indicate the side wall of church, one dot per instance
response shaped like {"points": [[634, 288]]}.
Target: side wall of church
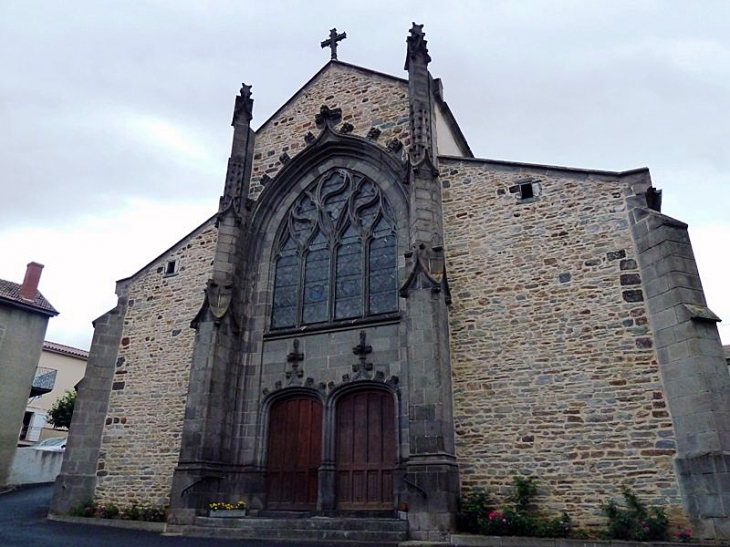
{"points": [[366, 100], [141, 439], [554, 367]]}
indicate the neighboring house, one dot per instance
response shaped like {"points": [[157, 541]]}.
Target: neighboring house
{"points": [[24, 314], [387, 320], [60, 368]]}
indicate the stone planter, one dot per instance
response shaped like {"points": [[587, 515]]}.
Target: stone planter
{"points": [[228, 513]]}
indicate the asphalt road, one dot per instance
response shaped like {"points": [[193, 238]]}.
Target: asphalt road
{"points": [[23, 523]]}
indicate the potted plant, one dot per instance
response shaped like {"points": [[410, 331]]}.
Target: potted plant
{"points": [[221, 509]]}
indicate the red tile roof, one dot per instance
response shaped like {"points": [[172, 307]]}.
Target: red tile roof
{"points": [[65, 350], [10, 294]]}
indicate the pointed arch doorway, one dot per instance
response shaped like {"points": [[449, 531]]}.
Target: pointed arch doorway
{"points": [[365, 450], [294, 453]]}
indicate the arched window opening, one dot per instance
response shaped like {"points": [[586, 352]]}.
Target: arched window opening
{"points": [[336, 254]]}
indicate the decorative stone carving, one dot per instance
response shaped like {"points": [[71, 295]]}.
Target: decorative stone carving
{"points": [[373, 134], [295, 374], [284, 158], [328, 117], [244, 104], [265, 179], [309, 138], [347, 128], [394, 146], [362, 368], [427, 266], [218, 302], [417, 45]]}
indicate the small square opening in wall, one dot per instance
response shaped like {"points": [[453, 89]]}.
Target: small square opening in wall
{"points": [[526, 190], [171, 268]]}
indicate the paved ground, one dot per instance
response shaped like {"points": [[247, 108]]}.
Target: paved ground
{"points": [[23, 523]]}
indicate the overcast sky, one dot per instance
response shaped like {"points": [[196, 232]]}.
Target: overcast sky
{"points": [[115, 115]]}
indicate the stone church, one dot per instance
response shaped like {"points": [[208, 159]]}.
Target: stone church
{"points": [[376, 319]]}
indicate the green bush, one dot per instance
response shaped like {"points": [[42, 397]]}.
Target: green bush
{"points": [[109, 511], [85, 508], [147, 513], [473, 511], [478, 515], [525, 490], [92, 509], [634, 521]]}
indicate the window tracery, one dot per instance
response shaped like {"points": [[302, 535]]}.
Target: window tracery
{"points": [[336, 254]]}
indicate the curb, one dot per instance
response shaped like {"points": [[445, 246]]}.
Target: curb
{"points": [[158, 527]]}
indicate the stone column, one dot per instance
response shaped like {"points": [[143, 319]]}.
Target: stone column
{"points": [[207, 454], [692, 366], [431, 483]]}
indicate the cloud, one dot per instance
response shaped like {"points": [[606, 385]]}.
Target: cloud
{"points": [[175, 143], [84, 257]]}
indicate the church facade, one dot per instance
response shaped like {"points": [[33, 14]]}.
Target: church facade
{"points": [[381, 320]]}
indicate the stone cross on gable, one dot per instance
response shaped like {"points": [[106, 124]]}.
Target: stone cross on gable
{"points": [[331, 42], [294, 358], [362, 350]]}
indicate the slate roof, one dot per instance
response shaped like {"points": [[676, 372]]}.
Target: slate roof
{"points": [[10, 294], [65, 350]]}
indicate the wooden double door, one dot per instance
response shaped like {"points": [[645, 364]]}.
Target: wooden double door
{"points": [[364, 451]]}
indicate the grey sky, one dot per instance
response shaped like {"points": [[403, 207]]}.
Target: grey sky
{"points": [[115, 115]]}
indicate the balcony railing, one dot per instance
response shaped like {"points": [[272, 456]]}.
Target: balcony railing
{"points": [[45, 379]]}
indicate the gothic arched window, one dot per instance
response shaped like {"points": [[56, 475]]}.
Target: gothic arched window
{"points": [[336, 255]]}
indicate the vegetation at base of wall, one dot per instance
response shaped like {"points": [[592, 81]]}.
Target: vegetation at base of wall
{"points": [[479, 515], [62, 410], [92, 509], [634, 521], [627, 520]]}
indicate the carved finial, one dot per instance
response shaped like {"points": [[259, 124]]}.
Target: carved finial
{"points": [[328, 116], [331, 42], [417, 45], [244, 104]]}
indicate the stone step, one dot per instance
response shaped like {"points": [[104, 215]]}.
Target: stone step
{"points": [[378, 531]]}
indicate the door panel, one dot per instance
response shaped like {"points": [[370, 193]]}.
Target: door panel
{"points": [[365, 451], [294, 453]]}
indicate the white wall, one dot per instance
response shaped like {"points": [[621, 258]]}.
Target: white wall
{"points": [[32, 466]]}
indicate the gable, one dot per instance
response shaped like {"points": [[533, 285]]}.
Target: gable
{"points": [[368, 100]]}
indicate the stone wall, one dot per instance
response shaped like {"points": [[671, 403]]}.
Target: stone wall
{"points": [[141, 439], [367, 101], [554, 366]]}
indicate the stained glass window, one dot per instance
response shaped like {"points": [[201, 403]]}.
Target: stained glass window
{"points": [[349, 282], [336, 256]]}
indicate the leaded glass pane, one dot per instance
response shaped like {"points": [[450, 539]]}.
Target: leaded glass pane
{"points": [[303, 218], [316, 282], [286, 287], [383, 296], [335, 196], [348, 286]]}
